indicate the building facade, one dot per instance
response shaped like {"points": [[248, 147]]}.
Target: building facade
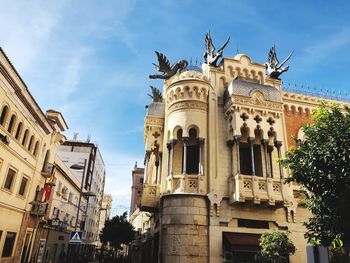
{"points": [[105, 213], [139, 219], [29, 139], [61, 218], [212, 181], [88, 156]]}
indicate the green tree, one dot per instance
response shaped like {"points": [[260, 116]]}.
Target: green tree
{"points": [[276, 247], [321, 164], [117, 231]]}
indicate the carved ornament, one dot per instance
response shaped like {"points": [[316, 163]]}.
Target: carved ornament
{"points": [[256, 100], [186, 105]]}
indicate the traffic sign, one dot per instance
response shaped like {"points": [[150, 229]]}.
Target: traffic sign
{"points": [[76, 237]]}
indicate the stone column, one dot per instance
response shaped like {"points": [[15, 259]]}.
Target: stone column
{"points": [[184, 172], [170, 147], [251, 141], [230, 144], [278, 145], [265, 144], [145, 162], [200, 143], [158, 163], [237, 140]]}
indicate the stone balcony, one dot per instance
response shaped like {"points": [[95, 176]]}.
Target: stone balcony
{"points": [[261, 189], [185, 183], [150, 197], [38, 208], [47, 170]]}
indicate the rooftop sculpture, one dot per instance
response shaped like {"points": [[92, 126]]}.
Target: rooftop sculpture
{"points": [[156, 94], [209, 57], [167, 70], [273, 68]]}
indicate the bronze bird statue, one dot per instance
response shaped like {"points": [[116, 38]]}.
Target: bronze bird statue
{"points": [[273, 68], [156, 94], [209, 57], [167, 70]]}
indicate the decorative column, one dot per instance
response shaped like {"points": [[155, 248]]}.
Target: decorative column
{"points": [[278, 145], [160, 162], [265, 144], [170, 147], [200, 178], [237, 140], [145, 162], [270, 149], [200, 142], [230, 144], [251, 141], [184, 161], [231, 180]]}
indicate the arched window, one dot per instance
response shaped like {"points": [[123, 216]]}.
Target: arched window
{"points": [[178, 153], [3, 115], [30, 143], [12, 123], [19, 130], [46, 161], [24, 140], [36, 148]]}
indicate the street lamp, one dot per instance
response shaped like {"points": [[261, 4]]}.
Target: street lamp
{"points": [[79, 167]]}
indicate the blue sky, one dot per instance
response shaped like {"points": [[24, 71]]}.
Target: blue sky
{"points": [[91, 59]]}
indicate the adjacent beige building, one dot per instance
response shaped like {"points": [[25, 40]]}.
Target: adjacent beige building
{"points": [[212, 181], [105, 212], [29, 139]]}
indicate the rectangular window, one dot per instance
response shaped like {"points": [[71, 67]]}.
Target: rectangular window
{"points": [[9, 244], [257, 160], [245, 158], [253, 223], [22, 188], [9, 179], [70, 197], [192, 159]]}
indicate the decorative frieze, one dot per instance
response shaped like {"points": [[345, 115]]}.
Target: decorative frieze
{"points": [[188, 105]]}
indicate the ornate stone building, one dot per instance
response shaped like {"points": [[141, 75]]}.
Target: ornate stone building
{"points": [[212, 181]]}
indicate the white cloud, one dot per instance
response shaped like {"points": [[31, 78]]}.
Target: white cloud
{"points": [[326, 46]]}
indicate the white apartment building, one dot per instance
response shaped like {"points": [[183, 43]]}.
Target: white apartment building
{"points": [[87, 156]]}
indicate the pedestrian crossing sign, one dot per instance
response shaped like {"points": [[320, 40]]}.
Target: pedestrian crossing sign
{"points": [[76, 237]]}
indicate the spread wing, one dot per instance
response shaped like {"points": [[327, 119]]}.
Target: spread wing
{"points": [[287, 58], [272, 60], [163, 63], [209, 43], [224, 45]]}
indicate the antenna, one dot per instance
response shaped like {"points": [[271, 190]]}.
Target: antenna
{"points": [[88, 139], [75, 136], [237, 48]]}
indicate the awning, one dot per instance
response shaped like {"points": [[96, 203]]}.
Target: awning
{"points": [[242, 241]]}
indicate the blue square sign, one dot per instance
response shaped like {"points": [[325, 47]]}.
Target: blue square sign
{"points": [[76, 237]]}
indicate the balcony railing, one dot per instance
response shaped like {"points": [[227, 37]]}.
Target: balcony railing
{"points": [[38, 208], [150, 197], [261, 189]]}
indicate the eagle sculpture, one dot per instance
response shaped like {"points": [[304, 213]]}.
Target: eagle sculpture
{"points": [[167, 70], [273, 68], [156, 94], [209, 57]]}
